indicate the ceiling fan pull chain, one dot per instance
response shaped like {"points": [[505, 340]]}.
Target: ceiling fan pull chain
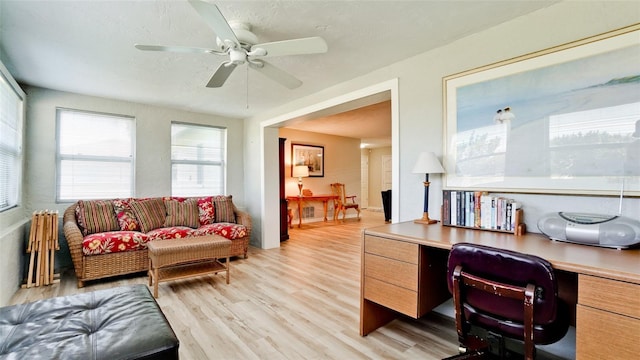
{"points": [[247, 87]]}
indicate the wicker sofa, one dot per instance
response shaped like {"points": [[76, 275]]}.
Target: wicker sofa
{"points": [[109, 237]]}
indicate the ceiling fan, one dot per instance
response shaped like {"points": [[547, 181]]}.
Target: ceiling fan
{"points": [[236, 41]]}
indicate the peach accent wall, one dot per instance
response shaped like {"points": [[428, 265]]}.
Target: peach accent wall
{"points": [[341, 164]]}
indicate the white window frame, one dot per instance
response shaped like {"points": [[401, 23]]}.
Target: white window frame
{"points": [[221, 162], [11, 182], [107, 158]]}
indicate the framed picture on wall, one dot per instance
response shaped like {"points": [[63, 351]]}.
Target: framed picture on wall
{"points": [[562, 120], [310, 155]]}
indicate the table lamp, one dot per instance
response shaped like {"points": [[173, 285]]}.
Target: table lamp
{"points": [[300, 171], [427, 164]]}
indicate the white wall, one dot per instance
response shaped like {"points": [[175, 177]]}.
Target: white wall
{"points": [[420, 98]]}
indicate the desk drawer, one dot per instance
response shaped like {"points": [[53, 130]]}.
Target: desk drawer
{"points": [[605, 335], [610, 295], [393, 249], [392, 271], [392, 296]]}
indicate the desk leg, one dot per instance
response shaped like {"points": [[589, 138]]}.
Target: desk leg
{"points": [[299, 213], [325, 209], [373, 316]]}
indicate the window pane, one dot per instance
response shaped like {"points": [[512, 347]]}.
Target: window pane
{"points": [[11, 118], [94, 179], [95, 155], [198, 143], [196, 180], [197, 160], [95, 134]]}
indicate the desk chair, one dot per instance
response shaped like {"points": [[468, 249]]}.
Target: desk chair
{"points": [[503, 295], [343, 202]]}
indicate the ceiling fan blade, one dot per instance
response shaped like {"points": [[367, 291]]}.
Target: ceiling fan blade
{"points": [[310, 45], [216, 21], [178, 49], [276, 74], [221, 75]]}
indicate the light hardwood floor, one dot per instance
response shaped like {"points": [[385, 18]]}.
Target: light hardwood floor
{"points": [[300, 301]]}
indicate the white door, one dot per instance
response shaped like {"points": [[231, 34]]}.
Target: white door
{"points": [[386, 172], [364, 180]]}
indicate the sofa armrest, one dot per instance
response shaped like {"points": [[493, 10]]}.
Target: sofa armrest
{"points": [[243, 218], [74, 238]]}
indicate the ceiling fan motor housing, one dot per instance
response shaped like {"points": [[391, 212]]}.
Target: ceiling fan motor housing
{"points": [[243, 33]]}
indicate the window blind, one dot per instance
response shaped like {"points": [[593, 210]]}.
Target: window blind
{"points": [[11, 119], [197, 160], [95, 155]]}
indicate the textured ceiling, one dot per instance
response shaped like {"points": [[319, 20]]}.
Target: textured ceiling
{"points": [[87, 46], [371, 124]]}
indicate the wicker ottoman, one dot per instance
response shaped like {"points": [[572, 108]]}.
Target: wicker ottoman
{"points": [[183, 258], [119, 323]]}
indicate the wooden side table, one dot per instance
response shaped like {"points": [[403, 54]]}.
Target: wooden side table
{"points": [[182, 258]]}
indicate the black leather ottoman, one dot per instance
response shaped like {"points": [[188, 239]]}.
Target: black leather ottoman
{"points": [[119, 323]]}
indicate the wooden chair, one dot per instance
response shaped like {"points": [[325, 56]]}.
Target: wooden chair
{"points": [[343, 202]]}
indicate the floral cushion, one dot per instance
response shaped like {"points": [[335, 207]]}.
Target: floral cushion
{"points": [[126, 219], [206, 210], [224, 209], [113, 241], [150, 213], [228, 230], [167, 233], [182, 213], [96, 216]]}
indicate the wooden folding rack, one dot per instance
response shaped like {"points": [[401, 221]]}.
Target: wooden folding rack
{"points": [[43, 243]]}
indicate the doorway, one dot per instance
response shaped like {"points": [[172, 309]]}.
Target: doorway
{"points": [[270, 199]]}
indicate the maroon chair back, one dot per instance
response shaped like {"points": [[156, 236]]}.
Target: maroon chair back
{"points": [[485, 269]]}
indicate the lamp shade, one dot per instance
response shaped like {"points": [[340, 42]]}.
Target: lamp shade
{"points": [[300, 171], [427, 163]]}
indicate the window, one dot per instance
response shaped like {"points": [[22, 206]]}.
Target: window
{"points": [[95, 155], [11, 119], [198, 156]]}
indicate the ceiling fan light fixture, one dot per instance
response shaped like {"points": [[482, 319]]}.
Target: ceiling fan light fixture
{"points": [[237, 57]]}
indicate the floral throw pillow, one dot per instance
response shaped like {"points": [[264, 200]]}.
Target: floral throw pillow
{"points": [[206, 211], [150, 213], [183, 213], [224, 209], [126, 219]]}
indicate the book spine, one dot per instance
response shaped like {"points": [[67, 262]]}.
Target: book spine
{"points": [[454, 208], [492, 224], [509, 219], [485, 211], [476, 204], [446, 211], [459, 209], [472, 209]]}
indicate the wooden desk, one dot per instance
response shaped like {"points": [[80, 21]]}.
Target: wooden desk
{"points": [[300, 199], [404, 271]]}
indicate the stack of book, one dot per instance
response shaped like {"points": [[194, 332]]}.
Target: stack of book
{"points": [[479, 209]]}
